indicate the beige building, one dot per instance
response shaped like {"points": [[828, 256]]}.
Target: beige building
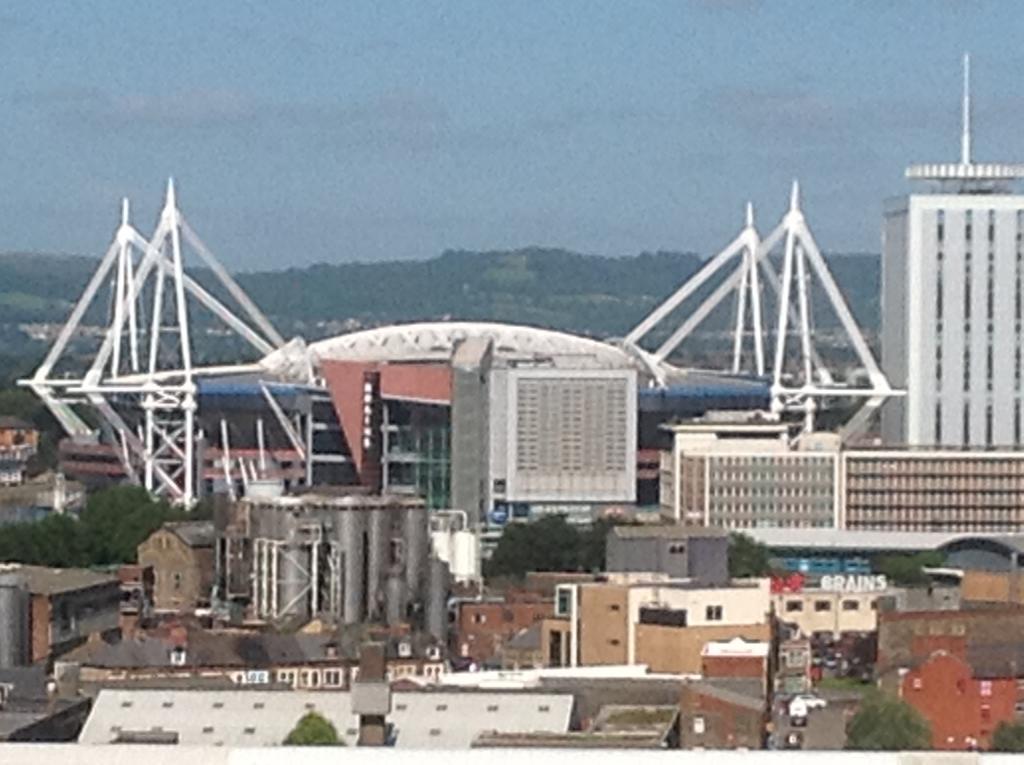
{"points": [[748, 473], [817, 610], [744, 473], [182, 557], [663, 623]]}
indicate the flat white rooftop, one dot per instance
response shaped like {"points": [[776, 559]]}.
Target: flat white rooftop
{"points": [[73, 754], [841, 539]]}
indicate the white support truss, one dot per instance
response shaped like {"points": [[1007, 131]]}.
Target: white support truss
{"points": [[148, 371], [799, 378]]}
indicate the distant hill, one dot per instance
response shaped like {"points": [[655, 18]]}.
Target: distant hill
{"points": [[593, 295]]}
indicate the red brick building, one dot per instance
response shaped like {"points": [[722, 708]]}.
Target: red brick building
{"points": [[736, 658], [482, 627], [712, 716], [962, 708]]}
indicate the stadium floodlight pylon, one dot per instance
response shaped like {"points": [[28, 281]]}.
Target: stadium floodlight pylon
{"points": [[151, 369], [798, 381]]}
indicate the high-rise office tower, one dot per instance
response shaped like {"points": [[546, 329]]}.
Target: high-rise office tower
{"points": [[952, 265]]}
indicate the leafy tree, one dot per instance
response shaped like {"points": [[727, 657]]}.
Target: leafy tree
{"points": [[550, 543], [908, 569], [108, 532], [1009, 737], [886, 723], [748, 558], [313, 729], [547, 544]]}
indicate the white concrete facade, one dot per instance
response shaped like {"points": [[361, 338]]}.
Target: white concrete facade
{"points": [[951, 318]]}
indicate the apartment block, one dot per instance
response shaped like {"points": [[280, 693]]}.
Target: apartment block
{"points": [[740, 474], [899, 490], [748, 474]]}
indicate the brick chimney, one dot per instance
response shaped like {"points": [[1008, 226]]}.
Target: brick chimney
{"points": [[371, 696]]}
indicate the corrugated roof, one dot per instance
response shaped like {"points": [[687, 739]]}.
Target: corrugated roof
{"points": [[421, 720]]}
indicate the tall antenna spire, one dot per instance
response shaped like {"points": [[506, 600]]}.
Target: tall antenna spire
{"points": [[965, 138]]}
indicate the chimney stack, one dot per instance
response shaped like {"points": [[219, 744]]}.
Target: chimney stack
{"points": [[371, 696]]}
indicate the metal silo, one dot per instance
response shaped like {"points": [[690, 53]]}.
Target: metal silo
{"points": [[395, 603], [437, 599], [351, 531], [417, 550], [293, 573], [14, 605], [378, 541]]}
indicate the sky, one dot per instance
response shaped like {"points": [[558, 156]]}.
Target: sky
{"points": [[301, 132]]}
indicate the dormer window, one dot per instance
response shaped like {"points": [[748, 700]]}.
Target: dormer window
{"points": [[178, 656]]}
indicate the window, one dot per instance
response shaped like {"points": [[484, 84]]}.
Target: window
{"points": [[677, 548], [332, 677], [615, 641], [258, 705], [544, 708], [851, 605], [167, 704], [441, 708], [986, 688], [917, 684], [698, 725], [480, 618], [713, 613], [249, 731], [822, 605], [207, 729], [435, 731], [492, 707], [218, 705], [176, 577], [794, 605], [986, 712]]}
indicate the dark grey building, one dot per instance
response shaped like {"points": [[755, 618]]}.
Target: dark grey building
{"points": [[681, 552], [471, 366]]}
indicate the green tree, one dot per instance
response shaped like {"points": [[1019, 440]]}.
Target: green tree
{"points": [[313, 729], [547, 544], [886, 723], [112, 525], [1009, 737], [908, 569], [748, 558]]}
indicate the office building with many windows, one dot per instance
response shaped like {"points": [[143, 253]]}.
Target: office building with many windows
{"points": [[952, 265]]}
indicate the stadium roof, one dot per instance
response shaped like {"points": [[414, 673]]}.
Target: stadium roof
{"points": [[436, 341]]}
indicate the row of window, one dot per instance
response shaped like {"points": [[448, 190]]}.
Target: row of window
{"points": [[826, 605]]}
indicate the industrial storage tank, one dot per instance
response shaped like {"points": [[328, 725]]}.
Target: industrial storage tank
{"points": [[417, 550], [351, 532], [378, 541], [293, 570], [396, 599], [437, 599], [14, 607]]}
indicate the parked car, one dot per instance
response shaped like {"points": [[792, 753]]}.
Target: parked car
{"points": [[809, 700]]}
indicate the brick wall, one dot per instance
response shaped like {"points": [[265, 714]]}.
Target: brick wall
{"points": [[960, 708]]}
